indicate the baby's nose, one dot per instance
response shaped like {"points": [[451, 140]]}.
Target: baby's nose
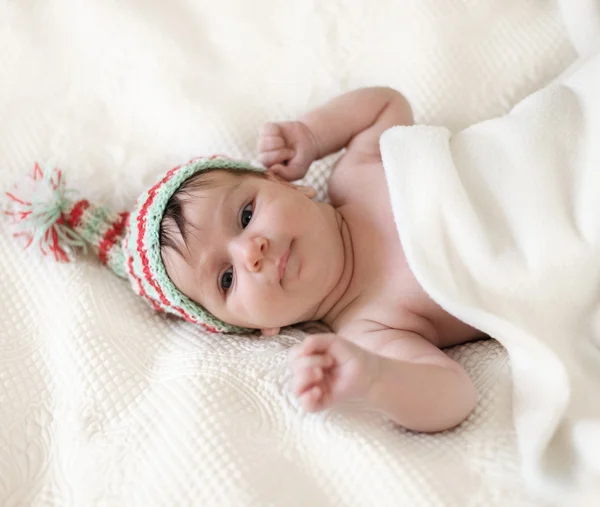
{"points": [[254, 253]]}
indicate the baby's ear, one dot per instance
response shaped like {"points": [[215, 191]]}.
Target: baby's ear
{"points": [[307, 190], [273, 176]]}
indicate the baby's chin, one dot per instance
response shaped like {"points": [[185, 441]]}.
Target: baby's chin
{"points": [[279, 317]]}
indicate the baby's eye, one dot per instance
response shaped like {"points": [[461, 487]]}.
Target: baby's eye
{"points": [[246, 215], [227, 279]]}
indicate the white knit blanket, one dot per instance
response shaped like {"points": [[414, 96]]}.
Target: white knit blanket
{"points": [[501, 225], [103, 402]]}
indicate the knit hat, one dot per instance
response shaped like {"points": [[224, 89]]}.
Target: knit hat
{"points": [[126, 242]]}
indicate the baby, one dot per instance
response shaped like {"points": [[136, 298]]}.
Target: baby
{"points": [[256, 251], [225, 245]]}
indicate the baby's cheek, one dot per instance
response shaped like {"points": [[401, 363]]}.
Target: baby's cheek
{"points": [[255, 306], [294, 210], [275, 312]]}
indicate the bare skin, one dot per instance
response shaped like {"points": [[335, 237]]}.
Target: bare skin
{"points": [[291, 259]]}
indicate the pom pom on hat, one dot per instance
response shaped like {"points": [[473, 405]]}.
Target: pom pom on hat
{"points": [[37, 207], [45, 212]]}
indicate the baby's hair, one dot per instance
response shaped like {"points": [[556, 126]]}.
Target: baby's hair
{"points": [[173, 221]]}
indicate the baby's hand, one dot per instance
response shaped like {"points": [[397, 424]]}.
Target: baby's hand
{"points": [[287, 149], [327, 369]]}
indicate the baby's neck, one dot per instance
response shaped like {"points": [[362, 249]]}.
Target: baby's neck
{"points": [[336, 301]]}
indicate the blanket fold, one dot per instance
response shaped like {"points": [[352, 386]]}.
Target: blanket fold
{"points": [[508, 240]]}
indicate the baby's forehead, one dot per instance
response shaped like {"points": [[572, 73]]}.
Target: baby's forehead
{"points": [[217, 183], [212, 180], [194, 204], [210, 189], [204, 201]]}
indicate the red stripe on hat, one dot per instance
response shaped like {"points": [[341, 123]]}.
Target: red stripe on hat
{"points": [[141, 229], [74, 218], [141, 290], [111, 236], [132, 274]]}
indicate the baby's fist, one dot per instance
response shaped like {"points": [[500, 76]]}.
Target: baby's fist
{"points": [[327, 369], [287, 149]]}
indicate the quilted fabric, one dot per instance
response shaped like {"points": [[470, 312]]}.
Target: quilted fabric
{"points": [[103, 402]]}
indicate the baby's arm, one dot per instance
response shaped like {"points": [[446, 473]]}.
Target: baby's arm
{"points": [[358, 118], [400, 373], [355, 120], [418, 385]]}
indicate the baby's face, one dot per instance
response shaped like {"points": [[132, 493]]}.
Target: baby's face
{"points": [[259, 254]]}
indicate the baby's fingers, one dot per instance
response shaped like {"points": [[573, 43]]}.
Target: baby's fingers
{"points": [[269, 158], [312, 400], [270, 129], [306, 379], [303, 362], [270, 143], [316, 344]]}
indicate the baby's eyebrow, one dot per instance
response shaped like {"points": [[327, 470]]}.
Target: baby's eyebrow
{"points": [[225, 201], [221, 205]]}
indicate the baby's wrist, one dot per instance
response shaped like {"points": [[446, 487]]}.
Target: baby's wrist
{"points": [[376, 372], [312, 142]]}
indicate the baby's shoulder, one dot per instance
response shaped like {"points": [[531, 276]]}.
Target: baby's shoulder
{"points": [[356, 176], [374, 305]]}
